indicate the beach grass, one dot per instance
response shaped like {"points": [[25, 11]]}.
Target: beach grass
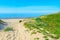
{"points": [[49, 23], [8, 29]]}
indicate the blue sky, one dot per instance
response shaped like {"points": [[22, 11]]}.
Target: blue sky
{"points": [[29, 6]]}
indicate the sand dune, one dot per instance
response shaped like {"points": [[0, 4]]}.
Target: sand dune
{"points": [[20, 32]]}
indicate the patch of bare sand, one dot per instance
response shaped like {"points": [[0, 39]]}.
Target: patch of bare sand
{"points": [[22, 33]]}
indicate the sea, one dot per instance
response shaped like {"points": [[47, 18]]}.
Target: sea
{"points": [[20, 15]]}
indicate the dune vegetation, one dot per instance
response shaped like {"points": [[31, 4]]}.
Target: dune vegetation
{"points": [[48, 25], [1, 22], [8, 29]]}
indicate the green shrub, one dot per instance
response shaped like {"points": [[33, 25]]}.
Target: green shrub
{"points": [[46, 39], [36, 38], [38, 19], [20, 21], [1, 22], [33, 32], [8, 29]]}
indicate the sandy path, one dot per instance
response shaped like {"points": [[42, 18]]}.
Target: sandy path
{"points": [[22, 34]]}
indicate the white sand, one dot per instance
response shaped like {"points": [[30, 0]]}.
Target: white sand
{"points": [[20, 33]]}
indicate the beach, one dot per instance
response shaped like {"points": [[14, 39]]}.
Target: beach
{"points": [[20, 32]]}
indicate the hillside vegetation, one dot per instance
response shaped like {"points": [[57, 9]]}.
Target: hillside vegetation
{"points": [[1, 22], [49, 25]]}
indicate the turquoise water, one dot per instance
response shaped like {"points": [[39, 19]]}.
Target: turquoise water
{"points": [[21, 15]]}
